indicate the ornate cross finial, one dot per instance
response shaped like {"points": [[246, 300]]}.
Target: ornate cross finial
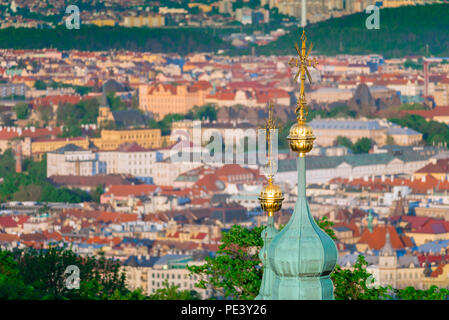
{"points": [[270, 124], [303, 63]]}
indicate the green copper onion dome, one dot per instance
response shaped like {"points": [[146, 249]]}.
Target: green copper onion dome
{"points": [[265, 292]]}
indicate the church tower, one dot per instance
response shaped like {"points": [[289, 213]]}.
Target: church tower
{"points": [[104, 112], [302, 256]]}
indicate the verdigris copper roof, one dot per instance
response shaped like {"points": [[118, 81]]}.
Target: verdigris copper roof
{"points": [[356, 160]]}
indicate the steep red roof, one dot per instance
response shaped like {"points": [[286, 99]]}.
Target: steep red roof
{"points": [[7, 134], [133, 190], [7, 222], [55, 100], [440, 166], [116, 217], [6, 237], [376, 239]]}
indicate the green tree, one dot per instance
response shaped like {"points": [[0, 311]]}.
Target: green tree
{"points": [[45, 113], [40, 85], [433, 131], [21, 110], [354, 284], [96, 194], [40, 274], [362, 145], [172, 292], [344, 142], [115, 103]]}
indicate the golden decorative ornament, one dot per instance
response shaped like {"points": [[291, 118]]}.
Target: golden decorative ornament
{"points": [[271, 198], [301, 138]]}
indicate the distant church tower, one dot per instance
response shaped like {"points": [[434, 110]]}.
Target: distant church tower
{"points": [[388, 262], [301, 255], [104, 112]]}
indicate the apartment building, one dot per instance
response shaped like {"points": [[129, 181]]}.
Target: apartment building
{"points": [[150, 273], [112, 139], [163, 99]]}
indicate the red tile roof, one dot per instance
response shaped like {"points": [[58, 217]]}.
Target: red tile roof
{"points": [[6, 134], [376, 239], [440, 166], [133, 190], [6, 237], [8, 222]]}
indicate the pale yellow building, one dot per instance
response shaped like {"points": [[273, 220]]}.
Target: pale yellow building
{"points": [[163, 99], [40, 147], [155, 20], [106, 22], [112, 139]]}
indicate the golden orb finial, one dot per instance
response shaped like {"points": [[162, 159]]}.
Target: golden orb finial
{"points": [[301, 135], [271, 196]]}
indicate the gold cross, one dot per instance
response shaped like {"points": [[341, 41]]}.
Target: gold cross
{"points": [[303, 63]]}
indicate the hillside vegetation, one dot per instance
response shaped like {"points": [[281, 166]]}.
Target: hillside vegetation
{"points": [[92, 38], [403, 31]]}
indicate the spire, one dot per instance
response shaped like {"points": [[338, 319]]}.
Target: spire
{"points": [[302, 256], [103, 99], [370, 222], [387, 250]]}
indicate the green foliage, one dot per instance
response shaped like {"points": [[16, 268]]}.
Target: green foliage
{"points": [[362, 145], [410, 293], [40, 85], [32, 183], [234, 272], [165, 124], [325, 224], [73, 115], [81, 90], [413, 106], [40, 274], [433, 131], [398, 35], [353, 284], [96, 194], [45, 113], [115, 103], [12, 286], [21, 110], [413, 65], [204, 112], [92, 38], [172, 292]]}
